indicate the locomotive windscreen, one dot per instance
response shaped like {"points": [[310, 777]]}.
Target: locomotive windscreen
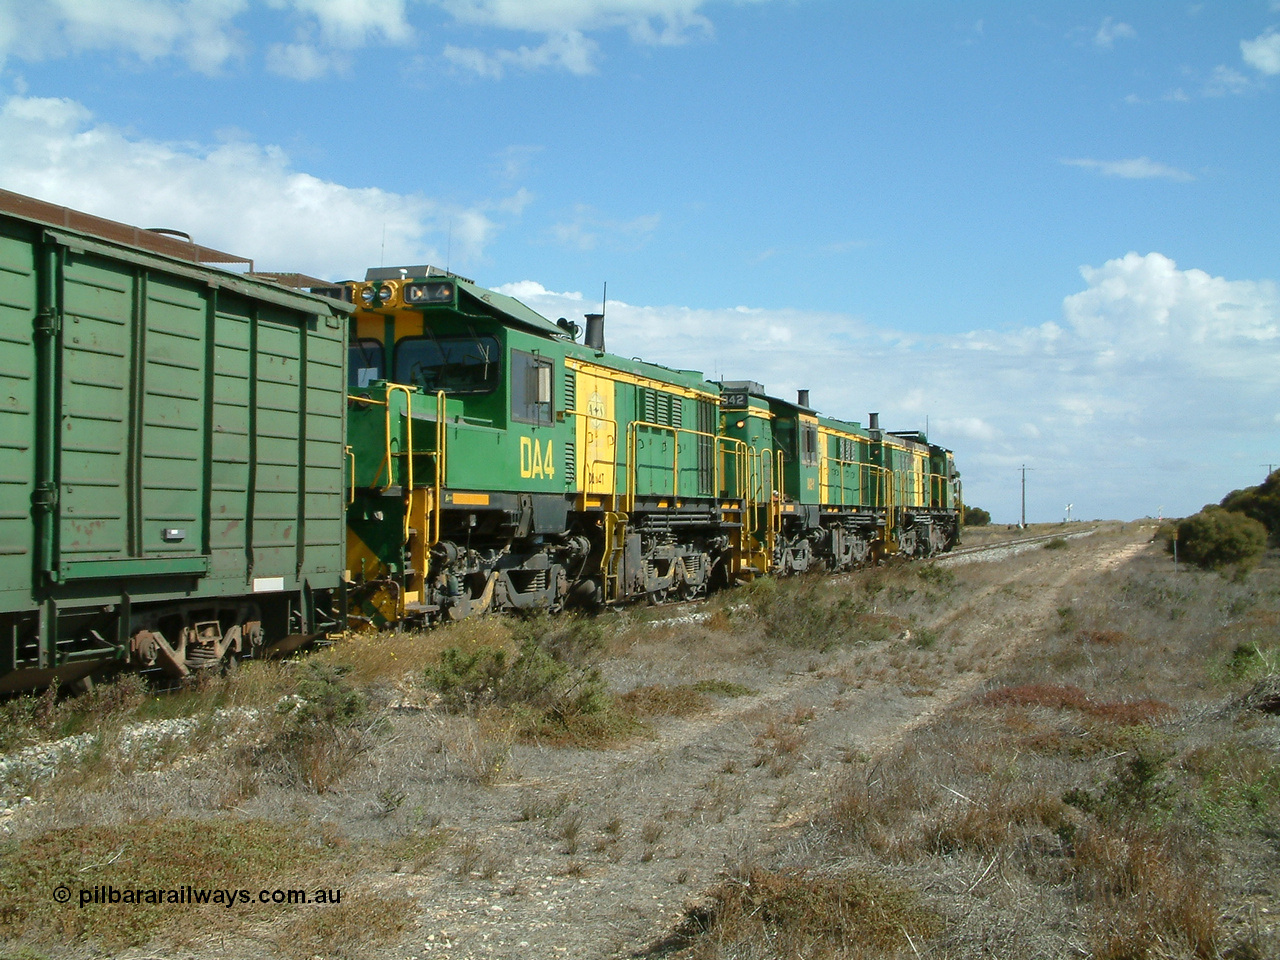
{"points": [[455, 365]]}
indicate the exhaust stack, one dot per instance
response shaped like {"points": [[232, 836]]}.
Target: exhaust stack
{"points": [[802, 398], [595, 332]]}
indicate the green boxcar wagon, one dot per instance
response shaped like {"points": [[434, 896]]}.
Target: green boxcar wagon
{"points": [[171, 452]]}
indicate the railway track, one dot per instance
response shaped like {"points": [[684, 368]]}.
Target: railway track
{"points": [[1005, 548], [691, 611]]}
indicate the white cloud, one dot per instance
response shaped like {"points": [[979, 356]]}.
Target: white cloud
{"points": [[531, 289], [1137, 168], [301, 61], [647, 21], [1143, 307], [1225, 81], [242, 197], [1110, 32], [200, 32], [514, 162], [564, 24], [204, 34], [569, 51], [587, 230], [1101, 402], [197, 31], [354, 23], [329, 30], [1263, 52]]}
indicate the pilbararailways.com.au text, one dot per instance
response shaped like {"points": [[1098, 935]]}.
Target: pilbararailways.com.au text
{"points": [[195, 896]]}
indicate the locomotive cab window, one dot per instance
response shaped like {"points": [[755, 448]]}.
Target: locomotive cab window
{"points": [[456, 365], [809, 443], [365, 363], [530, 388]]}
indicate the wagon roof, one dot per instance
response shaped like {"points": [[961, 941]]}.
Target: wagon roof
{"points": [[168, 243], [161, 250]]}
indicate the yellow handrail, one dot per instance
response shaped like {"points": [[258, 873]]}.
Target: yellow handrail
{"points": [[408, 416], [869, 492], [596, 460], [441, 464], [633, 438]]}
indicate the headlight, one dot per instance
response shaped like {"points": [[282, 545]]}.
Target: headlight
{"points": [[366, 296], [386, 292]]}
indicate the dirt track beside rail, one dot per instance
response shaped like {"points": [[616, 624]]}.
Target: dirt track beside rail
{"points": [[655, 823]]}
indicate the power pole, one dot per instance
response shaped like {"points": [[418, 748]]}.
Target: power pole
{"points": [[1023, 525]]}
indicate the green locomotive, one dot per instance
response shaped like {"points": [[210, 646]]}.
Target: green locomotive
{"points": [[831, 494], [499, 463]]}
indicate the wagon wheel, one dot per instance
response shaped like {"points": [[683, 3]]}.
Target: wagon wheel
{"points": [[251, 639]]}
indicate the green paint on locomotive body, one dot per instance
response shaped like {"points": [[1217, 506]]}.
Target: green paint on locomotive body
{"points": [[511, 421], [745, 416]]}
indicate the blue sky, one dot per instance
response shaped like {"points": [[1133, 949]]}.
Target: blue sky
{"points": [[1050, 229]]}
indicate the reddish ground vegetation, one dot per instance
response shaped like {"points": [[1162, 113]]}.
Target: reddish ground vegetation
{"points": [[1058, 696]]}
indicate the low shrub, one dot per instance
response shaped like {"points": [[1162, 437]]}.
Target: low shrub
{"points": [[166, 854], [1216, 538], [724, 688], [48, 714], [807, 613], [551, 687], [320, 730], [1262, 503]]}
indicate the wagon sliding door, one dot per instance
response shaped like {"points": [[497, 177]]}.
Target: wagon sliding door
{"points": [[132, 427]]}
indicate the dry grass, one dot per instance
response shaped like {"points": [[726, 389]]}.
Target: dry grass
{"points": [[164, 854], [781, 743], [658, 700], [795, 915], [1058, 696], [360, 927], [413, 852], [49, 715], [402, 658]]}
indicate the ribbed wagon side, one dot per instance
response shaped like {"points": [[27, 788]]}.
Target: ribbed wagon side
{"points": [[171, 459]]}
